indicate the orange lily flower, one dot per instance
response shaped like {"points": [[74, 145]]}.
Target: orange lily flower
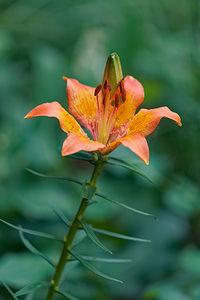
{"points": [[108, 113]]}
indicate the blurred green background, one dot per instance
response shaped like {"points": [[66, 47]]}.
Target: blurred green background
{"points": [[158, 43]]}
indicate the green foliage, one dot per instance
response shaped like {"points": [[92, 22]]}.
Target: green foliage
{"points": [[32, 249], [61, 216], [126, 164], [124, 205], [66, 295], [9, 290], [91, 267], [53, 177], [32, 288], [92, 236], [15, 269], [106, 260], [120, 236], [32, 232]]}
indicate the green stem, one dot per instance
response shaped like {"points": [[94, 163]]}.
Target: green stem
{"points": [[67, 242]]}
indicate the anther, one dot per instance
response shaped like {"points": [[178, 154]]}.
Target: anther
{"points": [[122, 90], [97, 90], [116, 100], [105, 84]]}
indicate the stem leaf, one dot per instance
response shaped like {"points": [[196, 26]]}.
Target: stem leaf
{"points": [[32, 287], [82, 156], [107, 260], [124, 164], [61, 216], [9, 290], [120, 236], [53, 177], [29, 296], [66, 295], [32, 249], [125, 206], [80, 235], [32, 232], [92, 236], [92, 268]]}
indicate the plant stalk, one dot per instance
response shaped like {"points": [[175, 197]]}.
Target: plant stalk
{"points": [[67, 241]]}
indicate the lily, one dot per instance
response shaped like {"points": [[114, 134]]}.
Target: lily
{"points": [[108, 112]]}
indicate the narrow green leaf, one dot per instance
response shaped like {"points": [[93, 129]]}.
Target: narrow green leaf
{"points": [[88, 191], [120, 236], [80, 235], [9, 290], [92, 268], [29, 296], [66, 295], [32, 249], [72, 263], [107, 260], [92, 236], [32, 232], [92, 202], [60, 215], [32, 287], [124, 164], [53, 177], [82, 156], [125, 206]]}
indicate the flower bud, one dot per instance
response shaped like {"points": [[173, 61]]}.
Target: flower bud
{"points": [[113, 72]]}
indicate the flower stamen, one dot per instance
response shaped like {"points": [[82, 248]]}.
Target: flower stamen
{"points": [[117, 100], [98, 89], [122, 90]]}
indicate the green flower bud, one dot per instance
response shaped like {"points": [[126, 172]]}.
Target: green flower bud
{"points": [[113, 72]]}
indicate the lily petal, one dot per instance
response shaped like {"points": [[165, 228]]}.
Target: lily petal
{"points": [[134, 97], [75, 143], [135, 142], [138, 144], [54, 109], [146, 120], [82, 103]]}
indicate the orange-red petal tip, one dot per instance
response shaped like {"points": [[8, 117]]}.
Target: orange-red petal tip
{"points": [[64, 78], [27, 116], [179, 122]]}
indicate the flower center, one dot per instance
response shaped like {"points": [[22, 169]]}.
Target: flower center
{"points": [[107, 107]]}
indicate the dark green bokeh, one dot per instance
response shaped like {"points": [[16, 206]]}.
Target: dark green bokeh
{"points": [[158, 43]]}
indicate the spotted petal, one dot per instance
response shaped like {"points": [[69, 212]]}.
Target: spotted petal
{"points": [[135, 142], [146, 120], [75, 143], [134, 97], [54, 109], [143, 124], [82, 103]]}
